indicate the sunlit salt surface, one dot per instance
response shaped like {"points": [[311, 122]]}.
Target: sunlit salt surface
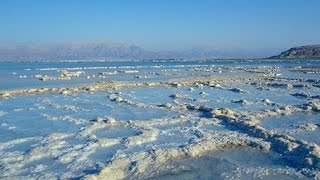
{"points": [[159, 120], [228, 164]]}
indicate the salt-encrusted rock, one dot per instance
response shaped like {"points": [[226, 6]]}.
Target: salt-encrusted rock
{"points": [[110, 121], [32, 90], [176, 85], [141, 77], [91, 89], [242, 101], [176, 96], [307, 127], [116, 98], [282, 85], [203, 93], [199, 85], [223, 111], [287, 110], [191, 89], [193, 107], [312, 106], [43, 90], [266, 101], [65, 92], [5, 95], [237, 90], [154, 83], [166, 105], [181, 116], [214, 85]]}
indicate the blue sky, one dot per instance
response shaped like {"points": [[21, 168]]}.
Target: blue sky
{"points": [[164, 24]]}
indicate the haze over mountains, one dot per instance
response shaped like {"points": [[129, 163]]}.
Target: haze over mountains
{"points": [[69, 51], [112, 50], [106, 50]]}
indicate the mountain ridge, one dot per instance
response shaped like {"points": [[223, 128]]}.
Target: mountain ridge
{"points": [[304, 52], [104, 51]]}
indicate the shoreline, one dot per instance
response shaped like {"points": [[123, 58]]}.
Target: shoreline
{"points": [[164, 60]]}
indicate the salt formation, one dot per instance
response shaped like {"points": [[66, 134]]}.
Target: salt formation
{"points": [[111, 128]]}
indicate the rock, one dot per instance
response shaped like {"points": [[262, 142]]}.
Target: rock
{"points": [[193, 107], [242, 101], [181, 116], [90, 89], [266, 101], [176, 85], [176, 96], [309, 51], [141, 77], [307, 127], [281, 85], [110, 121], [223, 111], [116, 97], [199, 85], [166, 105], [214, 85], [238, 90], [65, 92], [191, 89], [203, 93], [5, 95], [312, 105]]}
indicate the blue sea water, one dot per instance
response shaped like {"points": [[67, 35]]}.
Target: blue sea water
{"points": [[15, 75]]}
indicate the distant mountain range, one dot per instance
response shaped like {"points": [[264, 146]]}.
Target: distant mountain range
{"points": [[309, 51], [112, 50], [70, 51], [105, 51]]}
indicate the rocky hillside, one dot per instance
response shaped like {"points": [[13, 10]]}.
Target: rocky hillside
{"points": [[310, 51]]}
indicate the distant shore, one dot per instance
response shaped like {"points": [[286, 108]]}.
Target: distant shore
{"points": [[162, 60]]}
